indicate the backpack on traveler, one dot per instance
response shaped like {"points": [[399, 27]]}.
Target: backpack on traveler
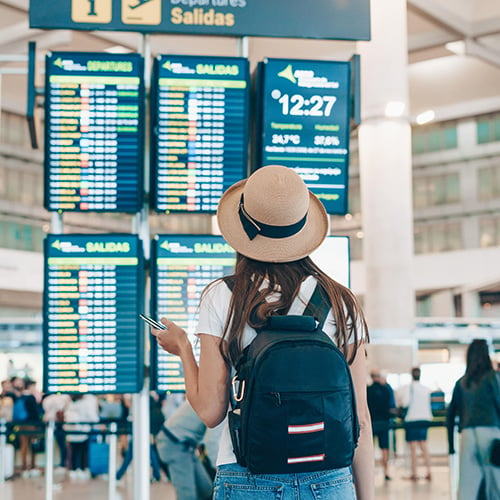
{"points": [[294, 406]]}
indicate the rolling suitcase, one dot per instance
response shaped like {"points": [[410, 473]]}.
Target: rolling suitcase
{"points": [[98, 457]]}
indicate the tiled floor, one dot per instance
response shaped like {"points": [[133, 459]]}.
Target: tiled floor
{"points": [[94, 489]]}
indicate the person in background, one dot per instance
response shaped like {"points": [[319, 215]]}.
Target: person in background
{"points": [[177, 446], [54, 406], [156, 420], [476, 402], [29, 427], [381, 404], [417, 399], [83, 408]]}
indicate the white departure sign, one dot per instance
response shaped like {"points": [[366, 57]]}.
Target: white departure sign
{"points": [[94, 127], [93, 294], [199, 110], [181, 267]]}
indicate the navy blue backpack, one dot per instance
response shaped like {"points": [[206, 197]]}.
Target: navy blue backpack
{"points": [[294, 406]]}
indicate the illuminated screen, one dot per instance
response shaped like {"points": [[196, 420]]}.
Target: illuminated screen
{"points": [[181, 267], [199, 110], [92, 339], [304, 124], [94, 126]]}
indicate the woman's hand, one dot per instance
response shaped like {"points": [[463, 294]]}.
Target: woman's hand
{"points": [[173, 340]]}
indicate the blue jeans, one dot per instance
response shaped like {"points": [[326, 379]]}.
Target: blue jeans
{"points": [[234, 482]]}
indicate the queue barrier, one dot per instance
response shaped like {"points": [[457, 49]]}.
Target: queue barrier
{"points": [[106, 429]]}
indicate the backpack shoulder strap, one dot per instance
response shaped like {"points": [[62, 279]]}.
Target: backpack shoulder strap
{"points": [[318, 305]]}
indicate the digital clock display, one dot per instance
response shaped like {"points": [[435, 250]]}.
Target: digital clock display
{"points": [[305, 111]]}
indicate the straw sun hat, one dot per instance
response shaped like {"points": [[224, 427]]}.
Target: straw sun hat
{"points": [[272, 217]]}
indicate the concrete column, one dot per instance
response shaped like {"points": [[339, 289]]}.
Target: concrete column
{"points": [[386, 171], [471, 305]]}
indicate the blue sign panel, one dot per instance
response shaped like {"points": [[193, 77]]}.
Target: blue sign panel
{"points": [[181, 267], [94, 129], [338, 20], [305, 124], [199, 110], [92, 335]]}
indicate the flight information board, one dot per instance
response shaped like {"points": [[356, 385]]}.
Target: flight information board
{"points": [[92, 335], [181, 267], [304, 124], [199, 115], [94, 129]]}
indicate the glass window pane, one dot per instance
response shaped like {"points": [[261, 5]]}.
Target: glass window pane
{"points": [[483, 131], [450, 137], [487, 232], [485, 183], [418, 143], [453, 188], [435, 140], [420, 192], [454, 237], [496, 129], [3, 182]]}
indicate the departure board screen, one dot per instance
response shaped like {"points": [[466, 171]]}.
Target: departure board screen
{"points": [[94, 128], [181, 267], [92, 335], [199, 110], [305, 123]]}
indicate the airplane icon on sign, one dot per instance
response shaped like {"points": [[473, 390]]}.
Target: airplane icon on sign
{"points": [[140, 3]]}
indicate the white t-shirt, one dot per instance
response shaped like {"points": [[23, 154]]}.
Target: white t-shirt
{"points": [[212, 317], [417, 398]]}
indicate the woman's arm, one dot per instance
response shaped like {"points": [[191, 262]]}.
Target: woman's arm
{"points": [[207, 385], [364, 464]]}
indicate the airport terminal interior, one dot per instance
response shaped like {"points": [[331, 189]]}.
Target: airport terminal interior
{"points": [[417, 238]]}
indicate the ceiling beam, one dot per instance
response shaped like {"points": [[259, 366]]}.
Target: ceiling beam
{"points": [[472, 48], [485, 27], [429, 40], [441, 16], [22, 5], [16, 32]]}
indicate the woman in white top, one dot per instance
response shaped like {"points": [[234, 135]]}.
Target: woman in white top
{"points": [[274, 223]]}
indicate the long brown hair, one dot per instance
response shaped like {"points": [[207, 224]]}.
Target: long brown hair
{"points": [[478, 362], [253, 281]]}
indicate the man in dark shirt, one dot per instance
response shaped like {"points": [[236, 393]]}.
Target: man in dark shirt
{"points": [[381, 405]]}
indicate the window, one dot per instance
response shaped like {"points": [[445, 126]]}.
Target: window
{"points": [[436, 137], [488, 183], [489, 232], [436, 190], [488, 129], [439, 237], [354, 201]]}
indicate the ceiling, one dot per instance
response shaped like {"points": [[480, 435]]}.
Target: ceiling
{"points": [[452, 84]]}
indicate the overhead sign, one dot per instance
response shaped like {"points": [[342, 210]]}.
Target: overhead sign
{"points": [[328, 19], [94, 127], [181, 267], [92, 335], [199, 116], [305, 114]]}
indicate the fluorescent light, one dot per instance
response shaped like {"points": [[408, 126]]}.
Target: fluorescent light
{"points": [[425, 117], [117, 49], [394, 109], [457, 47]]}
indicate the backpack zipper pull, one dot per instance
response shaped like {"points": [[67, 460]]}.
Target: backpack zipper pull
{"points": [[277, 397]]}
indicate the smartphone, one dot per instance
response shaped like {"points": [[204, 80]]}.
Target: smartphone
{"points": [[152, 322]]}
